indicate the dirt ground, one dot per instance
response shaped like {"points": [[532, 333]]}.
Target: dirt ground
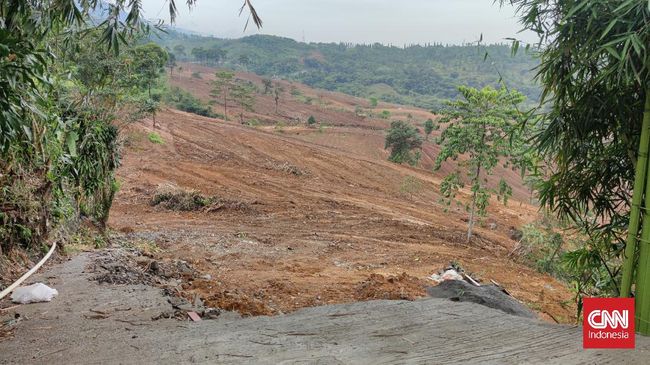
{"points": [[93, 321], [320, 217]]}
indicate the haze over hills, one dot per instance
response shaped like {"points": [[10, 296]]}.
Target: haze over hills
{"points": [[418, 75]]}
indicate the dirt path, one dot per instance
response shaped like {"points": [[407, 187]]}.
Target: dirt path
{"points": [[94, 323]]}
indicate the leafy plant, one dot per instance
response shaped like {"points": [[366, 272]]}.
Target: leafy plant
{"points": [[429, 127], [223, 83], [242, 94], [155, 138], [187, 102], [479, 127], [402, 139], [595, 121]]}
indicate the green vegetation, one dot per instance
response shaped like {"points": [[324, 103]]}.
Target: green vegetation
{"points": [[242, 94], [595, 133], [253, 123], [155, 138], [424, 76], [278, 90], [222, 84], [429, 127], [311, 120], [227, 88], [65, 82], [402, 139], [480, 127], [542, 247], [183, 100]]}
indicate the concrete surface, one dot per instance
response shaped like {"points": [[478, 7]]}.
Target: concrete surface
{"points": [[105, 324]]}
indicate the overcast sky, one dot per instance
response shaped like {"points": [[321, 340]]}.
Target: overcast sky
{"points": [[356, 21]]}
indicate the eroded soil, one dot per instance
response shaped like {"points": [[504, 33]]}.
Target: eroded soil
{"points": [[325, 222]]}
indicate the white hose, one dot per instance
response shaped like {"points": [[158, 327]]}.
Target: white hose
{"points": [[13, 286]]}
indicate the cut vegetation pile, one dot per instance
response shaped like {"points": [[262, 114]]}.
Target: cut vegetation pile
{"points": [[174, 198]]}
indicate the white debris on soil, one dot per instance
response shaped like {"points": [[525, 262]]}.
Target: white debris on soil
{"points": [[450, 274], [34, 293]]}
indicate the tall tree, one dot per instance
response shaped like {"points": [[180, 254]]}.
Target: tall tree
{"points": [[278, 90], [596, 132], [429, 126], [268, 85], [243, 96], [224, 82], [148, 62], [171, 63], [179, 49], [48, 136], [478, 127], [402, 139]]}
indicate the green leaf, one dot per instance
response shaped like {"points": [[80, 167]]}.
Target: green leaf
{"points": [[71, 143]]}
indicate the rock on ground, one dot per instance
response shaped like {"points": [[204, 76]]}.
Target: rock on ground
{"points": [[488, 295]]}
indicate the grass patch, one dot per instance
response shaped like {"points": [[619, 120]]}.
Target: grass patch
{"points": [[146, 247], [253, 123], [85, 239], [155, 138]]}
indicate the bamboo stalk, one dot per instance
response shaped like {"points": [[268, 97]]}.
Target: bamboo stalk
{"points": [[642, 297], [637, 197]]}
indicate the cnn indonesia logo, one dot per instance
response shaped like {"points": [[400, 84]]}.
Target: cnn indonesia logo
{"points": [[608, 323]]}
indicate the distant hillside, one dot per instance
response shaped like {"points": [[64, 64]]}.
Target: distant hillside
{"points": [[419, 75]]}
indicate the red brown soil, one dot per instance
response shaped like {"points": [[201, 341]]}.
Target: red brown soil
{"points": [[338, 231]]}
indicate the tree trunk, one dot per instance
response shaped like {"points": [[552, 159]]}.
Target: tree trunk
{"points": [[476, 180], [225, 104], [470, 223], [637, 197], [642, 297]]}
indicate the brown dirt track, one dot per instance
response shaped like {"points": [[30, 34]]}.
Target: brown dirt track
{"points": [[338, 232]]}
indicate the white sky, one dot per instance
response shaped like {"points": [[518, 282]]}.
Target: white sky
{"points": [[356, 21]]}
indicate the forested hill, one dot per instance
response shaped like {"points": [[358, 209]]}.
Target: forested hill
{"points": [[420, 75]]}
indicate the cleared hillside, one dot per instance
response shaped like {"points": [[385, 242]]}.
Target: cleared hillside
{"points": [[314, 216]]}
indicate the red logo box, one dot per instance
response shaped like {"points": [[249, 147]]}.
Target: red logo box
{"points": [[608, 323]]}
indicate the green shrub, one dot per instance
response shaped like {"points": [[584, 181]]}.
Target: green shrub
{"points": [[155, 138], [196, 75], [183, 100], [311, 120], [402, 139], [253, 123]]}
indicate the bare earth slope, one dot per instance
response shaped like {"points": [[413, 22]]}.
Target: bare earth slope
{"points": [[110, 324], [318, 216]]}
